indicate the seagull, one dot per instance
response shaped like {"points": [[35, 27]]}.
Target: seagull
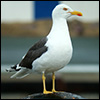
{"points": [[50, 53]]}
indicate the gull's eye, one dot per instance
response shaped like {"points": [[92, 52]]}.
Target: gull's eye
{"points": [[65, 9]]}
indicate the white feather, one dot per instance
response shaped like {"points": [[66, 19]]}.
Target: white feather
{"points": [[23, 72], [59, 45]]}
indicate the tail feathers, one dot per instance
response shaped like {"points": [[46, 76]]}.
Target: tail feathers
{"points": [[14, 68], [23, 72]]}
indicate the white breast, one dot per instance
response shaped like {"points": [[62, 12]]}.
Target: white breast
{"points": [[58, 55], [59, 50]]}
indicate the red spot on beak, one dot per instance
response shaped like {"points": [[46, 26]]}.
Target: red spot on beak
{"points": [[79, 14]]}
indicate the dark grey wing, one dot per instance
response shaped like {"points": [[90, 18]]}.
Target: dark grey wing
{"points": [[34, 52]]}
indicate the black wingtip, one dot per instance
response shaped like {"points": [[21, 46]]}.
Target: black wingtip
{"points": [[7, 70]]}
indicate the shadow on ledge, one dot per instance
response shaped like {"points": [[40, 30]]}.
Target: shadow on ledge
{"points": [[58, 95]]}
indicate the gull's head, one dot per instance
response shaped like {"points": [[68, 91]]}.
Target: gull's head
{"points": [[64, 11]]}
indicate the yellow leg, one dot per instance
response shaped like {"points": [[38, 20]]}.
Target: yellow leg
{"points": [[53, 82], [44, 86]]}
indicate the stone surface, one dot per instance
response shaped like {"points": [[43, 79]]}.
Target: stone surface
{"points": [[58, 95]]}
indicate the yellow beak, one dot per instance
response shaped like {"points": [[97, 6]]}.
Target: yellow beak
{"points": [[76, 13]]}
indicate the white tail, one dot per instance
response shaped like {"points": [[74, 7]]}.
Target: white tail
{"points": [[23, 72]]}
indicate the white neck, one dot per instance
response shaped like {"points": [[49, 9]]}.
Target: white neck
{"points": [[59, 29]]}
